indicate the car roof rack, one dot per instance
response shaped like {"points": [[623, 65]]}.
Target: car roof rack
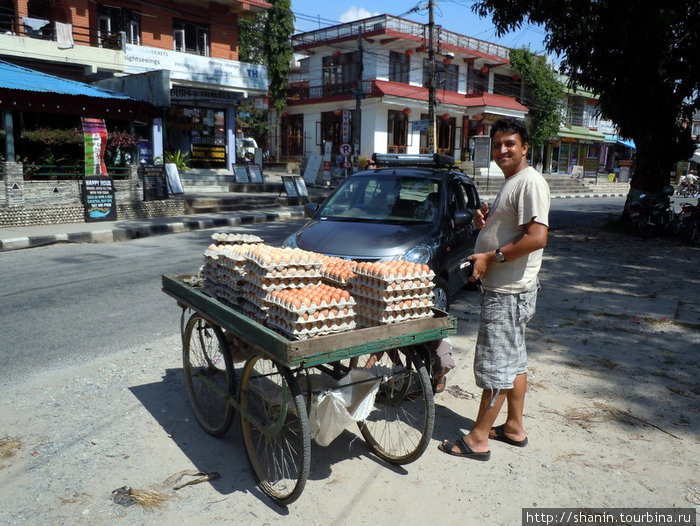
{"points": [[435, 160]]}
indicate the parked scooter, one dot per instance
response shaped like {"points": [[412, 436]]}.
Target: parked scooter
{"points": [[655, 216], [687, 187], [689, 217]]}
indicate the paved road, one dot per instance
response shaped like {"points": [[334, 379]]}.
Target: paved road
{"points": [[62, 304]]}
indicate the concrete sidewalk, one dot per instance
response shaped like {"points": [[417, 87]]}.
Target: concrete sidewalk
{"points": [[15, 238]]}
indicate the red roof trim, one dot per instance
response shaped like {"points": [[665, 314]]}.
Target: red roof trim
{"points": [[397, 89]]}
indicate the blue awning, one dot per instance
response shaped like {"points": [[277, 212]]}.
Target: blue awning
{"points": [[29, 90], [614, 139], [629, 143]]}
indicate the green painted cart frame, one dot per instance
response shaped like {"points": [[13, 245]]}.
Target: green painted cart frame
{"points": [[266, 392]]}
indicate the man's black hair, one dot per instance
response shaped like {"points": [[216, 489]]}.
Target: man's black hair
{"points": [[511, 125]]}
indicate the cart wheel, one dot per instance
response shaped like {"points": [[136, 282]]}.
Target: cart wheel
{"points": [[399, 427], [209, 374], [275, 429]]}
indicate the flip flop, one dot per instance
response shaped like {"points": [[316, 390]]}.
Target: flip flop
{"points": [[465, 450], [439, 384], [502, 437]]}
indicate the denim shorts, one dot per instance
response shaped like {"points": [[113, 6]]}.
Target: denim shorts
{"points": [[500, 345]]}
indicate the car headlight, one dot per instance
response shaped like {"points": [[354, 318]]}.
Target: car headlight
{"points": [[291, 242], [418, 254]]}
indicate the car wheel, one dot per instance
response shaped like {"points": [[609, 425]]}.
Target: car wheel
{"points": [[440, 298]]}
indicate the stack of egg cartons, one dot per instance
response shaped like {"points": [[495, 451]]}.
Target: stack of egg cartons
{"points": [[311, 311], [270, 269], [393, 291], [224, 265]]}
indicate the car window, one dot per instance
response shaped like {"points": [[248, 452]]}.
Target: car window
{"points": [[464, 197], [380, 198]]}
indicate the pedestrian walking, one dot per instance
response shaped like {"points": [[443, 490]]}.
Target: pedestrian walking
{"points": [[506, 261]]}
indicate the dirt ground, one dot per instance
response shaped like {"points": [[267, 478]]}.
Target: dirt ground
{"points": [[612, 413]]}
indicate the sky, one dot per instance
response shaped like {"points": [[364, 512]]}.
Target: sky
{"points": [[453, 15]]}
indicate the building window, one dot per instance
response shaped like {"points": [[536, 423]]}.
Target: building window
{"points": [[446, 76], [341, 73], [399, 64], [477, 82], [397, 132], [189, 37], [505, 85], [112, 21]]}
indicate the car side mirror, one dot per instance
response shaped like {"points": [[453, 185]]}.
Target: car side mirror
{"points": [[310, 209], [463, 218]]}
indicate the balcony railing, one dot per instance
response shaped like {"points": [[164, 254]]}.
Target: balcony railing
{"points": [[400, 25], [302, 92], [46, 29]]}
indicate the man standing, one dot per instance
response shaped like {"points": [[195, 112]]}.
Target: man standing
{"points": [[507, 260]]}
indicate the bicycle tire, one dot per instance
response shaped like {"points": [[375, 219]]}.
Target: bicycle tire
{"points": [[209, 375], [400, 426], [279, 444]]}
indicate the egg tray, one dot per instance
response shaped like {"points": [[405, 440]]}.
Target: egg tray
{"points": [[235, 239], [371, 320], [291, 317], [276, 258], [309, 309], [376, 273], [290, 271], [382, 307], [252, 311], [392, 296], [335, 279], [306, 331], [393, 284], [262, 289]]}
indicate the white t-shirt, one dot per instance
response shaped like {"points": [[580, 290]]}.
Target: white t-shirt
{"points": [[524, 196]]}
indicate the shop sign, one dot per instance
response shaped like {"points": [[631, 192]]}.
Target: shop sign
{"points": [[154, 182], [195, 68], [482, 151], [209, 153]]}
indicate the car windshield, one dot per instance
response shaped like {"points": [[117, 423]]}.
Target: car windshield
{"points": [[384, 198]]}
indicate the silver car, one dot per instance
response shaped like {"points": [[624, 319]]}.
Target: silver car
{"points": [[412, 208]]}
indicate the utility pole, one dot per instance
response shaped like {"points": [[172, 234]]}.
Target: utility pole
{"points": [[432, 143], [358, 100]]}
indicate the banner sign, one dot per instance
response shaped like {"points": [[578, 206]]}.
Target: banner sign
{"points": [[95, 136], [98, 187]]}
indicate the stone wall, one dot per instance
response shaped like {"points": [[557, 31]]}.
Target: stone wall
{"points": [[25, 203]]}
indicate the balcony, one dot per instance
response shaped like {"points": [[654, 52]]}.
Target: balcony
{"points": [[302, 93], [388, 23], [47, 41]]}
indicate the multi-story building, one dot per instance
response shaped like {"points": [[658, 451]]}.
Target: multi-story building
{"points": [[181, 56], [377, 73]]}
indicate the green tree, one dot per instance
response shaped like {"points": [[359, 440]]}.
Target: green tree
{"points": [[279, 28], [544, 93], [640, 58], [250, 45]]}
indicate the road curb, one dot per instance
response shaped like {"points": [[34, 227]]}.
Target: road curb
{"points": [[161, 228]]}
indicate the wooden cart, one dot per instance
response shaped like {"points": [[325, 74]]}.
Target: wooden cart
{"points": [[232, 363]]}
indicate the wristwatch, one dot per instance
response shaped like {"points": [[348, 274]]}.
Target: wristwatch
{"points": [[499, 256]]}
